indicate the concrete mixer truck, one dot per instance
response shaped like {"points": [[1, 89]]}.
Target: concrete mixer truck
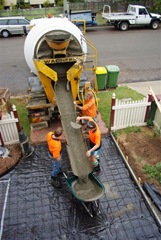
{"points": [[56, 49]]}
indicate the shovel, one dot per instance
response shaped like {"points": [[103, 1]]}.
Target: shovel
{"points": [[75, 125]]}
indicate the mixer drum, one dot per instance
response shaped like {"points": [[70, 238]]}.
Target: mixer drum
{"points": [[59, 29]]}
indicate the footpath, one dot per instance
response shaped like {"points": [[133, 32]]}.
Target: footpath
{"points": [[143, 87]]}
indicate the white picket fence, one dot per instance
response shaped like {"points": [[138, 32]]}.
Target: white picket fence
{"points": [[129, 113], [8, 129]]}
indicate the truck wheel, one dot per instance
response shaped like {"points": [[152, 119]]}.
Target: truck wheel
{"points": [[5, 33], [123, 26], [154, 25], [116, 25]]}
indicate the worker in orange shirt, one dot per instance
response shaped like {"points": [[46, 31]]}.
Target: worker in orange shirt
{"points": [[55, 147], [89, 108], [49, 15], [95, 143]]}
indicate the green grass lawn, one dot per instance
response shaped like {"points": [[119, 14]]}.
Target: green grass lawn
{"points": [[22, 113], [104, 104]]}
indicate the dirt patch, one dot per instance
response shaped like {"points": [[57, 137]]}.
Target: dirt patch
{"points": [[141, 148], [9, 162]]}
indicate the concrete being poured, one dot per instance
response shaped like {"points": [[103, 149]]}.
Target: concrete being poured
{"points": [[84, 187], [55, 74]]}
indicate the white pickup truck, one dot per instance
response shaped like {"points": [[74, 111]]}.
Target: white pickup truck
{"points": [[136, 15]]}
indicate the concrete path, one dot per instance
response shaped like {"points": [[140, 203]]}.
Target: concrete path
{"points": [[143, 87]]}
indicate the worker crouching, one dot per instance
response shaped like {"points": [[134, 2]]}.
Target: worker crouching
{"points": [[55, 146], [95, 143]]}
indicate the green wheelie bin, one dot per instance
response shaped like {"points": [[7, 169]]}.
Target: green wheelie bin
{"points": [[112, 75]]}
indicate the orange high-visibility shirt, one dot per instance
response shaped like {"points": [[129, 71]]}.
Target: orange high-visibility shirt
{"points": [[95, 137], [89, 108], [54, 146]]}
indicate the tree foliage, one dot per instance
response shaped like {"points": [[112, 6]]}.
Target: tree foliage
{"points": [[153, 5], [2, 2], [46, 3], [22, 4], [59, 3]]}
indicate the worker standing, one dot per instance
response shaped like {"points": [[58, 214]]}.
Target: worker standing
{"points": [[95, 143], [55, 147], [89, 108]]}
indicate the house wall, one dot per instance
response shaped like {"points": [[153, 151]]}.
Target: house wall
{"points": [[9, 2], [32, 2], [37, 2]]}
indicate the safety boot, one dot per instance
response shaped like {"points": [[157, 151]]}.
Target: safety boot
{"points": [[55, 182], [97, 170]]}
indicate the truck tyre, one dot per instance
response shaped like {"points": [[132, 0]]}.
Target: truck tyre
{"points": [[154, 24], [116, 25], [5, 34], [123, 26]]}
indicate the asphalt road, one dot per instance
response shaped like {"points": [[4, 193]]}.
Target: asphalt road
{"points": [[136, 52]]}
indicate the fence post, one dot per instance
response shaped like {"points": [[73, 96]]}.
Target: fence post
{"points": [[0, 131], [148, 107], [112, 114], [15, 113]]}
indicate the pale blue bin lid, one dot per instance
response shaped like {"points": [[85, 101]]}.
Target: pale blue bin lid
{"points": [[112, 68]]}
